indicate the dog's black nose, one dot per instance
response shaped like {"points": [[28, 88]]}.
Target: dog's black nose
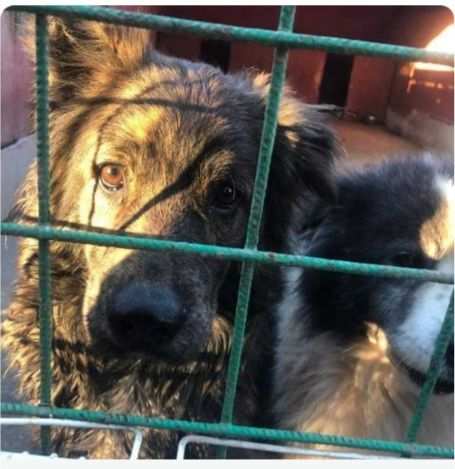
{"points": [[144, 315]]}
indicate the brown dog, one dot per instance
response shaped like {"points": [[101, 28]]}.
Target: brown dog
{"points": [[153, 145]]}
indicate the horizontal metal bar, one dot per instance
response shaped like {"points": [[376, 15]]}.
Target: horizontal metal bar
{"points": [[253, 445], [236, 33], [226, 430], [25, 457], [236, 254], [47, 422]]}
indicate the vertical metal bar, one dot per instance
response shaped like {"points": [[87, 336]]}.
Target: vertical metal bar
{"points": [[45, 316], [286, 22], [434, 369]]}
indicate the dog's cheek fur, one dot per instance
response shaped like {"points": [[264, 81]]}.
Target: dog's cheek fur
{"points": [[301, 170], [298, 175]]}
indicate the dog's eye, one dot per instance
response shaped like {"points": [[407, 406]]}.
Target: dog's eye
{"points": [[224, 195], [112, 177]]}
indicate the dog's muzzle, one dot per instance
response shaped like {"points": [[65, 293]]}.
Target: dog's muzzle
{"points": [[159, 309], [143, 316]]}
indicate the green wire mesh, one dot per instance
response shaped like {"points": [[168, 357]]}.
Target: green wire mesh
{"points": [[133, 241], [234, 33], [45, 315], [227, 430], [282, 40]]}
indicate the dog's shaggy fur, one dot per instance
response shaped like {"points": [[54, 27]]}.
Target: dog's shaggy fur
{"points": [[148, 144], [352, 350]]}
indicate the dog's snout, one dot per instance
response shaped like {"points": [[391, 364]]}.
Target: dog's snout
{"points": [[143, 314]]}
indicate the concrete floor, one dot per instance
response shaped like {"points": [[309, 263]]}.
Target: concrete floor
{"points": [[364, 144], [15, 160], [368, 144]]}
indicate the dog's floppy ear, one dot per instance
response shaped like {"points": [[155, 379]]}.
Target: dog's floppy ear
{"points": [[302, 169], [86, 55]]}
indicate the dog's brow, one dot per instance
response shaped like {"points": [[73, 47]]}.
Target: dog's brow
{"points": [[213, 146], [184, 180]]}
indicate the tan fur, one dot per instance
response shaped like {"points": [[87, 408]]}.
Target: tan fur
{"points": [[107, 95], [119, 48], [437, 233], [290, 112], [358, 392]]}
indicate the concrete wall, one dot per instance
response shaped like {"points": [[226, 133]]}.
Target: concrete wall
{"points": [[421, 102], [187, 47], [369, 87], [305, 67], [305, 71], [16, 80], [355, 22], [416, 25], [376, 87]]}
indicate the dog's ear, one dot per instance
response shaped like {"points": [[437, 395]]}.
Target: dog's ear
{"points": [[302, 169], [85, 55]]}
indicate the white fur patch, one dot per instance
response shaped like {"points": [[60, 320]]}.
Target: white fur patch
{"points": [[415, 339], [437, 232], [447, 188], [290, 304]]}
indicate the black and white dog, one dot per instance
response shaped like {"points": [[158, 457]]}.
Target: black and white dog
{"points": [[352, 350]]}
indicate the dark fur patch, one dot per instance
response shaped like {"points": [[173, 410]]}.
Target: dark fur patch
{"points": [[378, 215]]}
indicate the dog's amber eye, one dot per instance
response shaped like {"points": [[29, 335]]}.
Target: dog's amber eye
{"points": [[112, 177], [224, 195]]}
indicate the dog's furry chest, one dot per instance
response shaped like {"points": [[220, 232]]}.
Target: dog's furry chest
{"points": [[136, 393], [356, 391], [181, 399], [120, 387]]}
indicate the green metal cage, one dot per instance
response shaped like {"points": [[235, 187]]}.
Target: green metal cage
{"points": [[282, 40]]}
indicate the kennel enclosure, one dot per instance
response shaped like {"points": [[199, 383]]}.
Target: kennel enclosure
{"points": [[281, 40]]}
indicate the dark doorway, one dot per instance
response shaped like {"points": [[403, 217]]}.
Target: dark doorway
{"points": [[335, 81], [217, 53]]}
